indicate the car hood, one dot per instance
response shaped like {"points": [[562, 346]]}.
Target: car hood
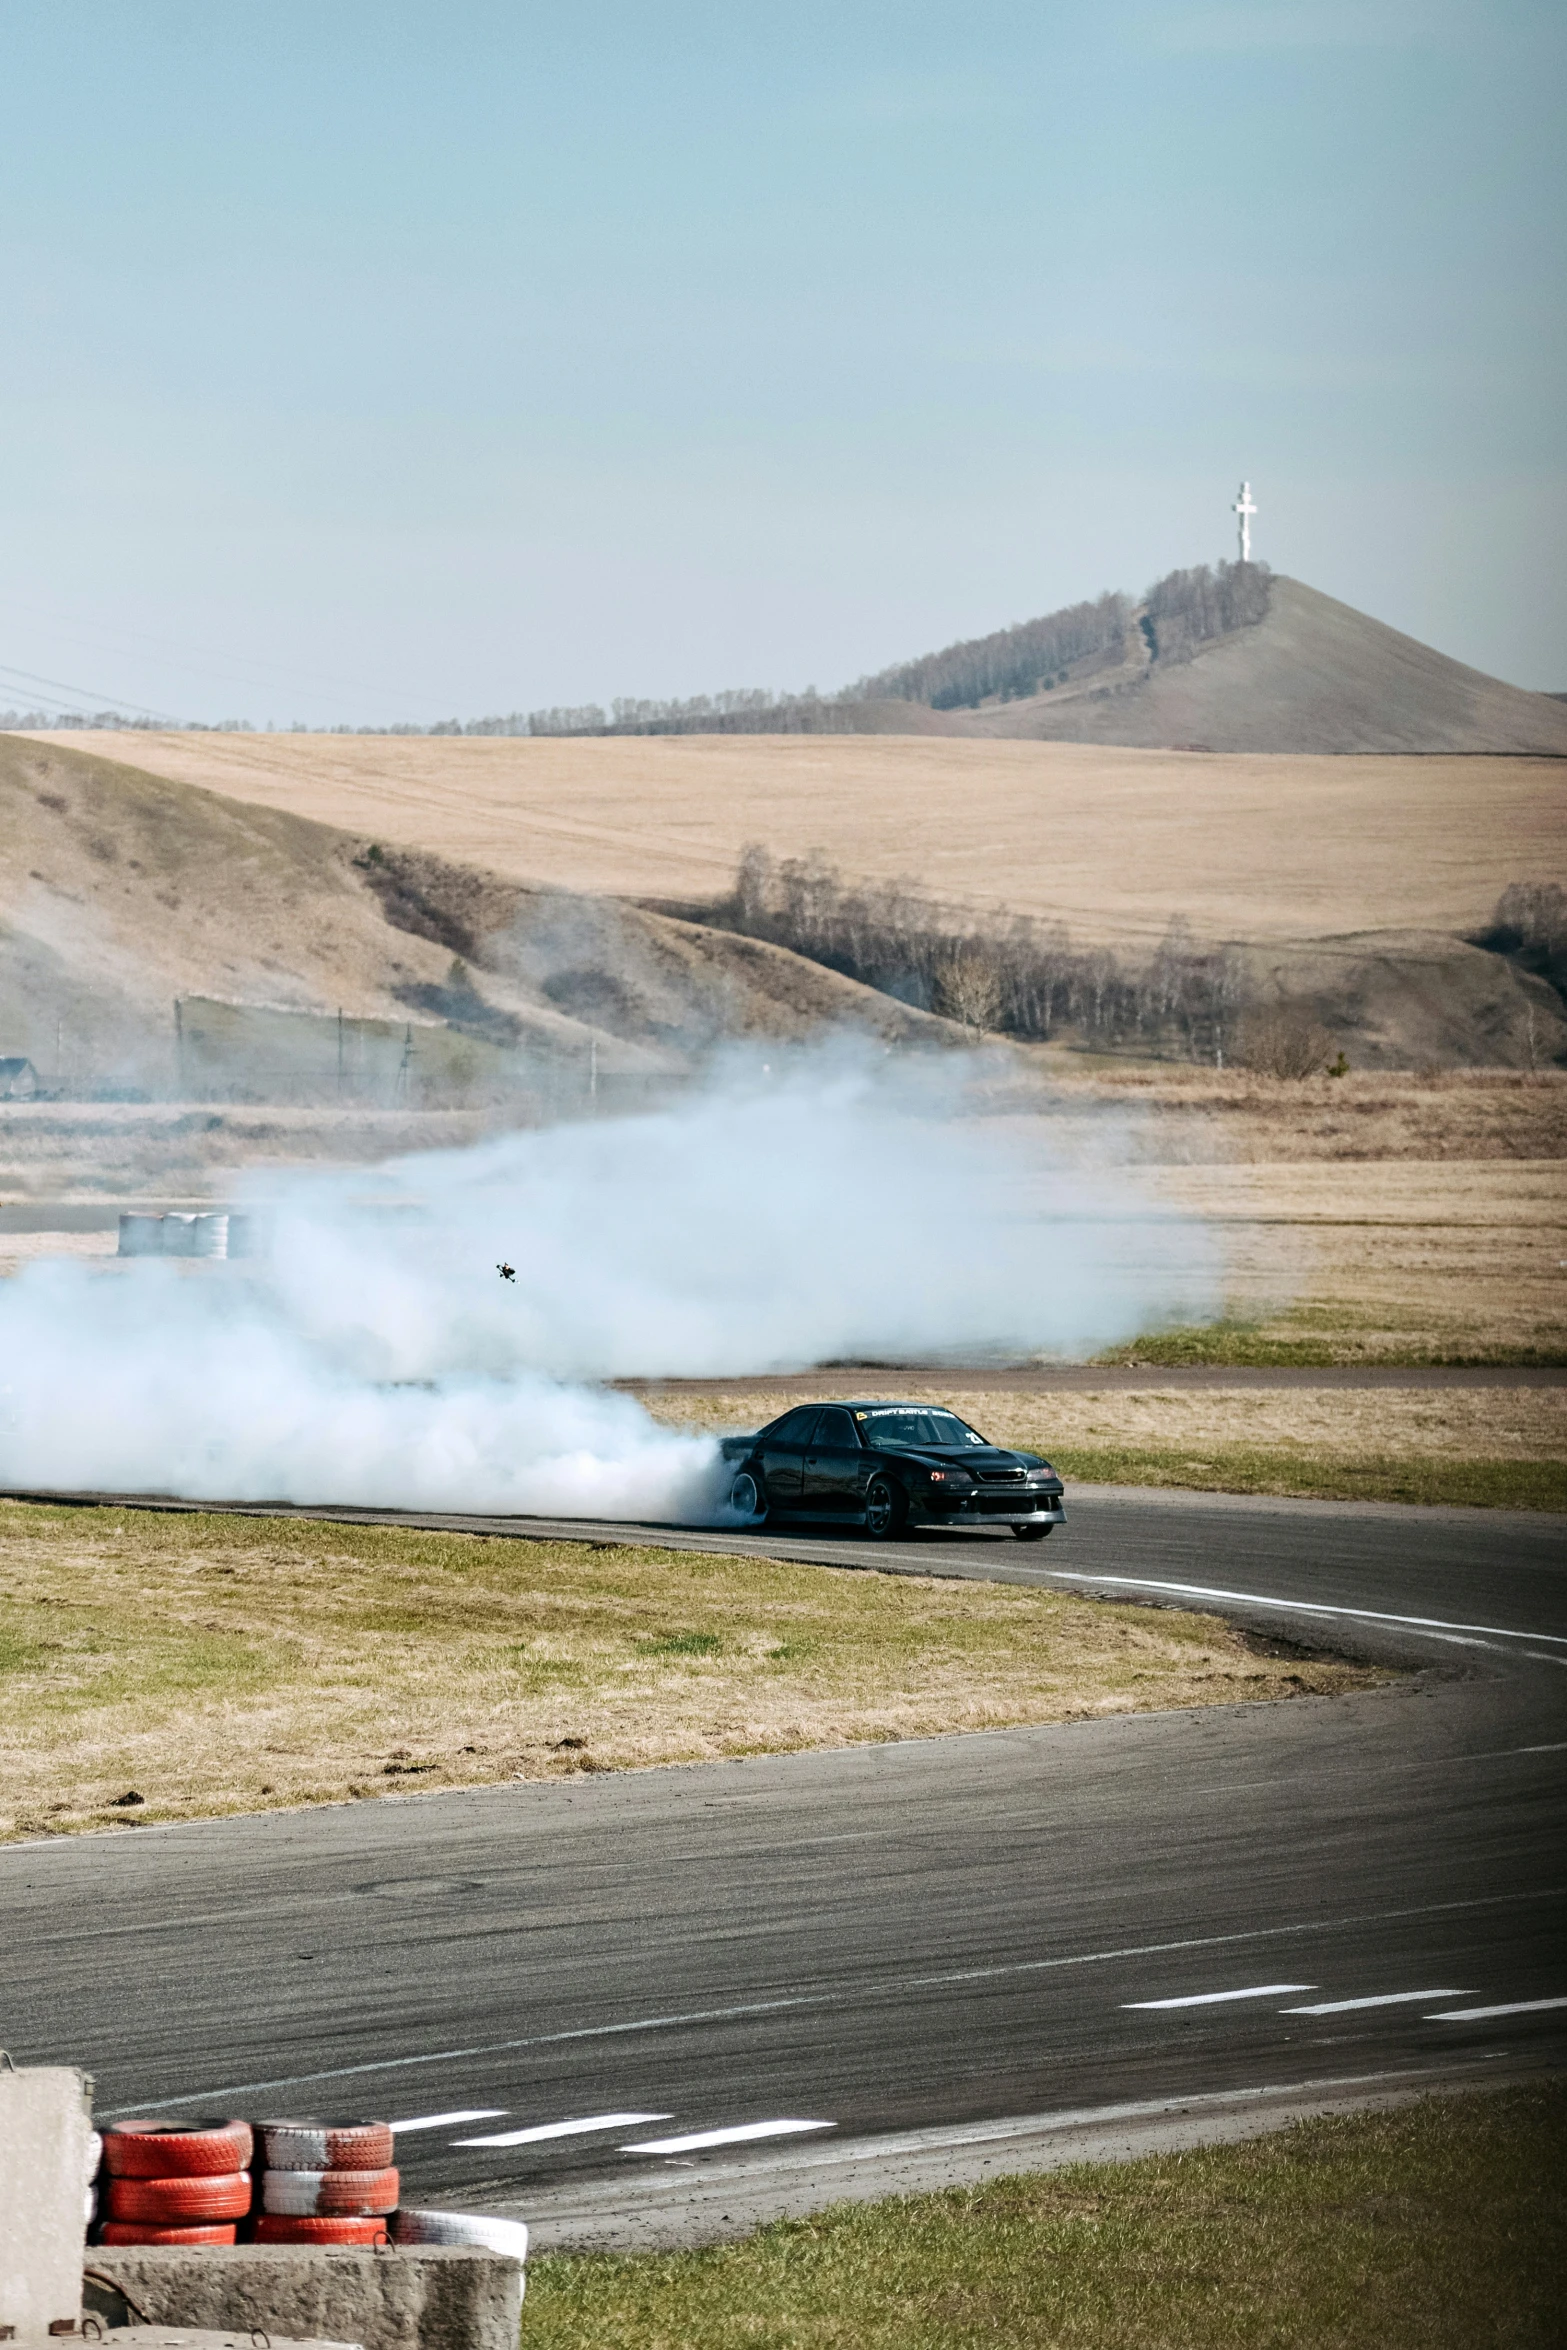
{"points": [[971, 1456]]}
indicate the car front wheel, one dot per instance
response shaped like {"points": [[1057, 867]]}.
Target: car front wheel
{"points": [[886, 1509], [1033, 1533]]}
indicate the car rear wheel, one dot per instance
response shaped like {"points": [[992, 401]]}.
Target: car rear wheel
{"points": [[747, 1499], [886, 1509], [1033, 1533]]}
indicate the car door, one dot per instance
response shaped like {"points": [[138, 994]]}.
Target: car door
{"points": [[832, 1467], [782, 1449]]}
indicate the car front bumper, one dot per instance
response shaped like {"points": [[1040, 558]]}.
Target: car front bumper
{"points": [[995, 1509]]}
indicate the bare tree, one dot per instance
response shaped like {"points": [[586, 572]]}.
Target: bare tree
{"points": [[1284, 1040], [968, 988]]}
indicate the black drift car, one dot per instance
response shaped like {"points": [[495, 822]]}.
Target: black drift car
{"points": [[889, 1467]]}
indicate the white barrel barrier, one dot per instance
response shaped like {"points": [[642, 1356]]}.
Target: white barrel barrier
{"points": [[213, 1233]]}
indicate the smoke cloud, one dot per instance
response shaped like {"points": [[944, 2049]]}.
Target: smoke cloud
{"points": [[834, 1206]]}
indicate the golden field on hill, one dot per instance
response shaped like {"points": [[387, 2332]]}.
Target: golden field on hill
{"points": [[1112, 841]]}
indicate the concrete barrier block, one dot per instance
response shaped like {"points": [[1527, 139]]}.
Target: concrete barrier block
{"points": [[424, 2299], [45, 2135], [194, 2338]]}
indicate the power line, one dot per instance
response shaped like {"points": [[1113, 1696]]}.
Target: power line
{"points": [[87, 693], [272, 671]]}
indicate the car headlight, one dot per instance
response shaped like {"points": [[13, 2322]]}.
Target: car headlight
{"points": [[1042, 1474], [949, 1477]]}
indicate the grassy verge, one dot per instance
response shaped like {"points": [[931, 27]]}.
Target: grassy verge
{"points": [[213, 1664], [1319, 1338], [1442, 2226], [1472, 1484]]}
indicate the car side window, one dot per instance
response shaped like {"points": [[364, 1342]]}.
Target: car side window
{"points": [[835, 1433], [795, 1427]]}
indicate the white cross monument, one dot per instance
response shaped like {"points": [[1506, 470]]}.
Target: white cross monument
{"points": [[1244, 509]]}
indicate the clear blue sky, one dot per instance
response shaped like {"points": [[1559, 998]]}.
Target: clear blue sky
{"points": [[375, 359]]}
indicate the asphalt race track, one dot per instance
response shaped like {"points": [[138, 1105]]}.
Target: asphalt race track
{"points": [[674, 2001]]}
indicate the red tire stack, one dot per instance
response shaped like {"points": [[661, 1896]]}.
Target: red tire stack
{"points": [[176, 2185], [326, 2185]]}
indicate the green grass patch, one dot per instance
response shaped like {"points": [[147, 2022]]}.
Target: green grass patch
{"points": [[681, 1644], [1316, 1338], [1442, 2226], [1233, 1468]]}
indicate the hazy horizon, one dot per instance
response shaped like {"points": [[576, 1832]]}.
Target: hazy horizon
{"points": [[395, 364]]}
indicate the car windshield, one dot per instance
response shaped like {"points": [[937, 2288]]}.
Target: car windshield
{"points": [[918, 1430]]}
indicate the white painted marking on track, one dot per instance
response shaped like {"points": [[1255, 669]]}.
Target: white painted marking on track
{"points": [[741, 2136], [1537, 1656], [879, 1986], [449, 2121], [1219, 1998], [1559, 1749], [1382, 1999], [1299, 1607], [1467, 2015], [576, 2129]]}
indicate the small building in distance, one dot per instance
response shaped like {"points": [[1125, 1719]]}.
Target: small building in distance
{"points": [[18, 1078]]}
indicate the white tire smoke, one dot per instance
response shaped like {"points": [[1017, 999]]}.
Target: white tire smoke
{"points": [[841, 1208]]}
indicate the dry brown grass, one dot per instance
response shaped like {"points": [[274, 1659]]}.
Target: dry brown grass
{"points": [[215, 1664], [1508, 1423], [1238, 1117], [1114, 841], [1453, 1261]]}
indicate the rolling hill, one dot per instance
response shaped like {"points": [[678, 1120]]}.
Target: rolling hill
{"points": [[1311, 675], [124, 894], [1112, 842], [1226, 659]]}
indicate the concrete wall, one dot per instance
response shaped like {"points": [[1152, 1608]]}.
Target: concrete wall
{"points": [[424, 2299]]}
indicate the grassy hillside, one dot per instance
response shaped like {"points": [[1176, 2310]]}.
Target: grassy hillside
{"points": [[1311, 675], [123, 893], [1112, 842]]}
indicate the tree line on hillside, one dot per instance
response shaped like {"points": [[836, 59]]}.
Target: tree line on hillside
{"points": [[1180, 612], [1010, 663], [1007, 975], [1190, 608]]}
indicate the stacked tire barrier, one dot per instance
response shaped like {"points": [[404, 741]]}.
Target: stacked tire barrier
{"points": [[176, 2186], [271, 2182], [326, 2186]]}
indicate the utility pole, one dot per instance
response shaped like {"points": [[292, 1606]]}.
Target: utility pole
{"points": [[339, 1052]]}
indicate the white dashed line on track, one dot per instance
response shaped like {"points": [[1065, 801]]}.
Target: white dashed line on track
{"points": [[741, 2136], [449, 2121], [1219, 1998], [574, 2129], [1382, 1999], [1467, 2015]]}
